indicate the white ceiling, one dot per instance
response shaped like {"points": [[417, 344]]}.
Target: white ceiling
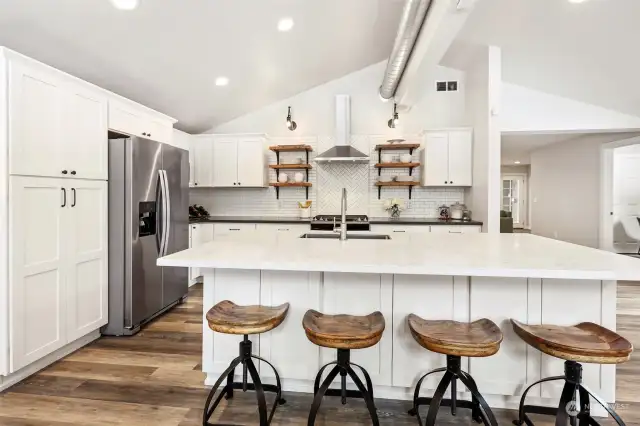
{"points": [[586, 51], [519, 147], [168, 53]]}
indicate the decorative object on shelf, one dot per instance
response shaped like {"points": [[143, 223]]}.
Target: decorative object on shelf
{"points": [[394, 206], [466, 215], [405, 179], [291, 125], [283, 177], [197, 212], [305, 209], [393, 122], [396, 141], [385, 179], [457, 210], [444, 212], [298, 177], [405, 158], [386, 158], [298, 164]]}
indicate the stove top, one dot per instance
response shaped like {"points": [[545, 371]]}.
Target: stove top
{"points": [[352, 218]]}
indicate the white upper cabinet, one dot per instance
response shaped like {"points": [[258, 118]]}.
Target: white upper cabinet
{"points": [[126, 118], [239, 161], [202, 163], [85, 134], [57, 126], [36, 99], [225, 162], [447, 158]]}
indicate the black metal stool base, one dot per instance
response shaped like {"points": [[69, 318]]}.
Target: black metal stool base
{"points": [[343, 367], [569, 411], [248, 367], [480, 410]]}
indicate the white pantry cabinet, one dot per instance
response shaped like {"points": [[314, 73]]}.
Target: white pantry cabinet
{"points": [[57, 264], [447, 158], [239, 161], [57, 126], [132, 120]]}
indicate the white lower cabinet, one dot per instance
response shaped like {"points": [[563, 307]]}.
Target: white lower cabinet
{"points": [[231, 229], [401, 232], [282, 231], [457, 229], [57, 264], [199, 234]]}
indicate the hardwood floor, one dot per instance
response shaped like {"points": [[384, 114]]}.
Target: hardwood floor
{"points": [[154, 378]]}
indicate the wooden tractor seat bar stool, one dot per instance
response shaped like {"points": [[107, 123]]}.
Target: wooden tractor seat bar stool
{"points": [[583, 343], [481, 338], [229, 318], [343, 332]]}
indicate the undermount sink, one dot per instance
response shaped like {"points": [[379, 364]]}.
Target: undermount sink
{"points": [[349, 236]]}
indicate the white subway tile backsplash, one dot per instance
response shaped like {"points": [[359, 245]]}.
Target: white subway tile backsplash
{"points": [[328, 181]]}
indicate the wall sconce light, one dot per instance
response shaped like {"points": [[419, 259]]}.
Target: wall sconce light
{"points": [[395, 119], [291, 125]]}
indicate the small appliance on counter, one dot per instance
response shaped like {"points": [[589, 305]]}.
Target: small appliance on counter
{"points": [[197, 212], [444, 212]]}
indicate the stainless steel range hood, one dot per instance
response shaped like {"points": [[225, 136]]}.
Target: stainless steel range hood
{"points": [[343, 152]]}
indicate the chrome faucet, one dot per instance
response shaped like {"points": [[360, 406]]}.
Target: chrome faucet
{"points": [[343, 216]]}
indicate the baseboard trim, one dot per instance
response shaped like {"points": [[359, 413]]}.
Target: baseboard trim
{"points": [[7, 381]]}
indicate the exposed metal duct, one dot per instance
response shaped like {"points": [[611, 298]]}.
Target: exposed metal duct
{"points": [[413, 17]]}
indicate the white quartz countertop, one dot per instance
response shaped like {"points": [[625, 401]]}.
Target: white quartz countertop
{"points": [[488, 255]]}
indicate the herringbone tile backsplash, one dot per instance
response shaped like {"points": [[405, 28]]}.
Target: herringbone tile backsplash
{"points": [[328, 181]]}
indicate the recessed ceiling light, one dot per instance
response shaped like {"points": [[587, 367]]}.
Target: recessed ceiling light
{"points": [[222, 81], [285, 24], [125, 4], [516, 162]]}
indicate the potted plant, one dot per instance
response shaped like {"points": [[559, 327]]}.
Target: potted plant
{"points": [[394, 206]]}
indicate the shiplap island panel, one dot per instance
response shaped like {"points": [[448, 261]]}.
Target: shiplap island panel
{"points": [[461, 277]]}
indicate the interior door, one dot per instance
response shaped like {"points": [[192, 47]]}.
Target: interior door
{"points": [[514, 198], [175, 163], [37, 308], [35, 111], [85, 139], [225, 162], [251, 171], [436, 159], [87, 284], [460, 156], [143, 277]]}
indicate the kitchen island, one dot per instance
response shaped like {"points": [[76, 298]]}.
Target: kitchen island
{"points": [[460, 277]]}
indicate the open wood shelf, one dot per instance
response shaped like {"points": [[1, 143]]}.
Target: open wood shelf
{"points": [[397, 165], [289, 166], [280, 185], [411, 146], [290, 148], [410, 185], [397, 183]]}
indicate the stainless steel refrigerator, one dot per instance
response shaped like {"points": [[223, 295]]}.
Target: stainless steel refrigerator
{"points": [[148, 219]]}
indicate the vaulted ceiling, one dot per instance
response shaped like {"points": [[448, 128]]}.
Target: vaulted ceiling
{"points": [[167, 53], [585, 51]]}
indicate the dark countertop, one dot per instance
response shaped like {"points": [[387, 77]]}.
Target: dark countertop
{"points": [[420, 221], [251, 219], [373, 220]]}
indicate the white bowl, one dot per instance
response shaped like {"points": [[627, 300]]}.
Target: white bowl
{"points": [[387, 158], [384, 179], [405, 158], [405, 178], [283, 178]]}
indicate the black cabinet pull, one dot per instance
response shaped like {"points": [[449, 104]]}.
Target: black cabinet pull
{"points": [[64, 197], [64, 172], [234, 183], [73, 191], [239, 183], [148, 134], [451, 182], [73, 172], [196, 183]]}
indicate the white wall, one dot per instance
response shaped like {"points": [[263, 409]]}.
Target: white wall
{"points": [[314, 110], [565, 189], [528, 110], [483, 102], [626, 194]]}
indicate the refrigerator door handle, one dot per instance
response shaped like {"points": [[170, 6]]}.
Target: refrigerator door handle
{"points": [[162, 212], [166, 213], [158, 211]]}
